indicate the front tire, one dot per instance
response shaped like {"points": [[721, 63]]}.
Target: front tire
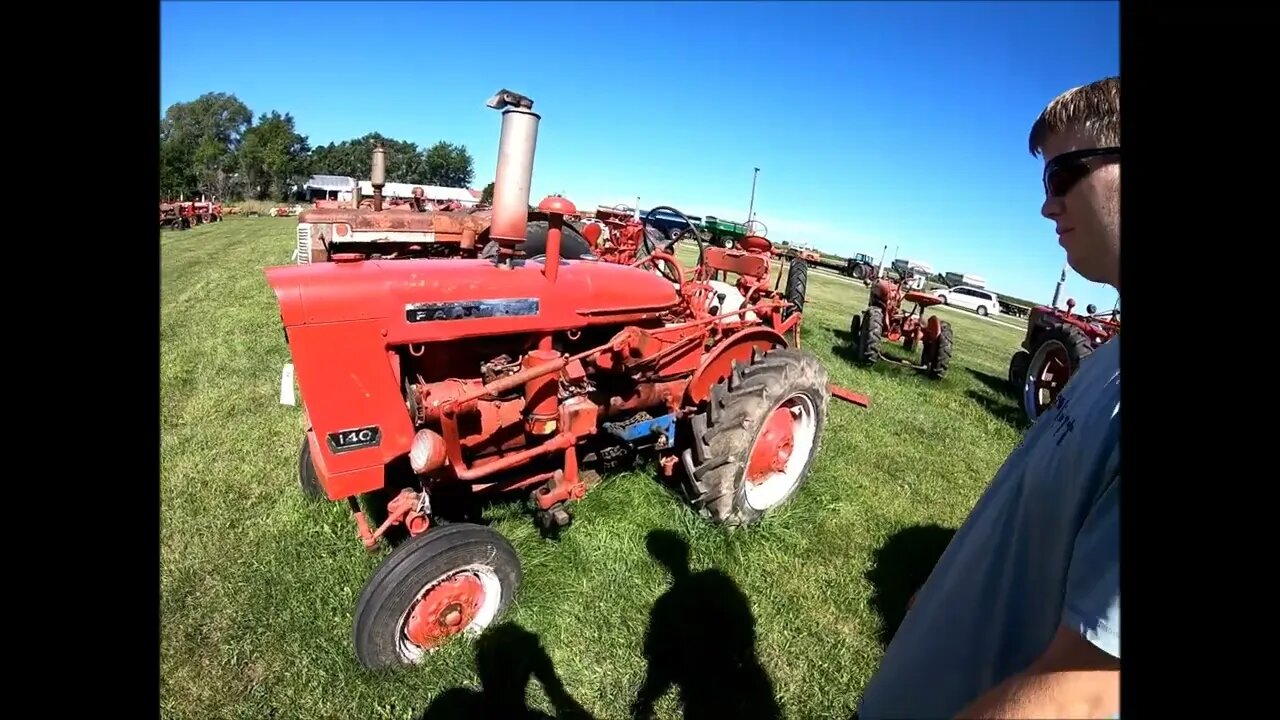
{"points": [[753, 446], [308, 478], [449, 581]]}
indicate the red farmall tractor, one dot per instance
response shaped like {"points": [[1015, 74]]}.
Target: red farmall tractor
{"points": [[886, 320], [1055, 344], [520, 374]]}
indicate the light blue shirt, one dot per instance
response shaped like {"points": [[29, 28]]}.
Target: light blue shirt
{"points": [[1040, 549]]}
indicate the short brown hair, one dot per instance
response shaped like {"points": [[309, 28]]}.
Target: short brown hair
{"points": [[1093, 109]]}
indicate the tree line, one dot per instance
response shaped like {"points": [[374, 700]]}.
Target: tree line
{"points": [[213, 146]]}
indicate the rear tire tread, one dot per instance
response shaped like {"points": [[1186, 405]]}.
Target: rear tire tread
{"points": [[722, 435]]}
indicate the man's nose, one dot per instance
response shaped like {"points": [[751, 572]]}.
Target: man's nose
{"points": [[1051, 208]]}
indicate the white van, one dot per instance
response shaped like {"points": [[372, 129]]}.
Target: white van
{"points": [[983, 302]]}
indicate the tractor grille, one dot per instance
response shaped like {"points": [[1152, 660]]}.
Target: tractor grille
{"points": [[304, 244]]}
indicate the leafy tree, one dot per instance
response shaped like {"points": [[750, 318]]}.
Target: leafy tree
{"points": [[486, 195], [273, 155], [354, 158], [199, 141], [441, 164], [211, 145], [449, 165]]}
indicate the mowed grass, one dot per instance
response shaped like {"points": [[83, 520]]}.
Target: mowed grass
{"points": [[259, 585]]}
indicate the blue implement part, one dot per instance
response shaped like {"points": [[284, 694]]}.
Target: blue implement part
{"points": [[638, 430]]}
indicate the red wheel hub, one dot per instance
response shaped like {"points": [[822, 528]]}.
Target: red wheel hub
{"points": [[445, 610], [773, 448]]}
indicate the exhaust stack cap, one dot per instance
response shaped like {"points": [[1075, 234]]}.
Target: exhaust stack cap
{"points": [[506, 98]]}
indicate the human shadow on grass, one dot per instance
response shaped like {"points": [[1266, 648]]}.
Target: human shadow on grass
{"points": [[996, 384], [1010, 414], [899, 568], [1006, 406], [507, 658], [701, 640]]}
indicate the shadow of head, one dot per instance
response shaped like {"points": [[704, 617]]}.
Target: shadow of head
{"points": [[900, 567], [670, 550], [507, 657]]}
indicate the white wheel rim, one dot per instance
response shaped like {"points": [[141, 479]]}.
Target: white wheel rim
{"points": [[779, 484], [492, 586]]}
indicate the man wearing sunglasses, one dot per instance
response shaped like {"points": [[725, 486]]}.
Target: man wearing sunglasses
{"points": [[1020, 618]]}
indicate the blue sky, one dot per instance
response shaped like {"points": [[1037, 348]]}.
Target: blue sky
{"points": [[901, 124]]}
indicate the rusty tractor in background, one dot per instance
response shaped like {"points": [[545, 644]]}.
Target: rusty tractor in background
{"points": [[416, 228], [1055, 344], [617, 235], [182, 215], [429, 381], [885, 320]]}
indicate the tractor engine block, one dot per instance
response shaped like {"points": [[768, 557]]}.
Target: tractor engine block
{"points": [[528, 412]]}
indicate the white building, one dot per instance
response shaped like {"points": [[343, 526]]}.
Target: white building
{"points": [[341, 187], [329, 187]]}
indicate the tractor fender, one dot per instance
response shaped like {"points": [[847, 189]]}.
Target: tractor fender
{"points": [[718, 363]]}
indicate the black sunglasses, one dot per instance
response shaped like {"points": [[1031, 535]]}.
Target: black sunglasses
{"points": [[1065, 170]]}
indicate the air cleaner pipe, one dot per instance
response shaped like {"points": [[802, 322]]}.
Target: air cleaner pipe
{"points": [[378, 175], [514, 175], [551, 263]]}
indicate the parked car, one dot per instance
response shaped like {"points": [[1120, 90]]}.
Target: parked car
{"points": [[983, 302]]}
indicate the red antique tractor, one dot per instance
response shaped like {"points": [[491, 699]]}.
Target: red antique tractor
{"points": [[487, 376], [1055, 344], [886, 320], [617, 235]]}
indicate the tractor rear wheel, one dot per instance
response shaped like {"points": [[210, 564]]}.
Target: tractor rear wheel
{"points": [[872, 334], [937, 353], [451, 580], [1054, 360], [753, 445], [308, 478], [572, 246], [855, 330]]}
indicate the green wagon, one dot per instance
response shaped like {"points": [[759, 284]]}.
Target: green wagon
{"points": [[722, 233]]}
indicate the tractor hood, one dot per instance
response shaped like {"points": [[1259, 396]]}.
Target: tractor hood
{"points": [[425, 300]]}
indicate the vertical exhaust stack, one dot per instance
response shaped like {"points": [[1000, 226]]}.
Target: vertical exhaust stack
{"points": [[514, 176], [378, 176]]}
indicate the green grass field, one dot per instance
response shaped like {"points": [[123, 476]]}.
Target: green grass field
{"points": [[258, 584]]}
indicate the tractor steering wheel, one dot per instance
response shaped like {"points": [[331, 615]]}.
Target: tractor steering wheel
{"points": [[668, 245]]}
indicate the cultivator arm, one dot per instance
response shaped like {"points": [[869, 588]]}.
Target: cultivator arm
{"points": [[849, 396]]}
